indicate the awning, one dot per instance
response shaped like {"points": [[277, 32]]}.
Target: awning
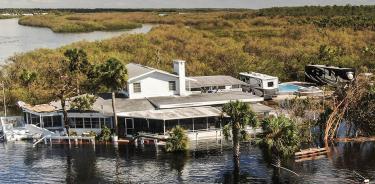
{"points": [[172, 114]]}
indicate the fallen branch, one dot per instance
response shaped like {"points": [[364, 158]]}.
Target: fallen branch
{"points": [[285, 169], [355, 139]]}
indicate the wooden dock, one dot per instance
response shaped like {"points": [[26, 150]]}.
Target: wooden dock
{"points": [[310, 154]]}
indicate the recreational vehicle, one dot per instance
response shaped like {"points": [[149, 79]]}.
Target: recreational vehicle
{"points": [[331, 75], [260, 84]]}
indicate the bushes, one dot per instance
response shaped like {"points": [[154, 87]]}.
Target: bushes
{"points": [[178, 140], [282, 49], [105, 134]]}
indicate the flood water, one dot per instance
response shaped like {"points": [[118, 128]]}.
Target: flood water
{"points": [[15, 38], [207, 163]]}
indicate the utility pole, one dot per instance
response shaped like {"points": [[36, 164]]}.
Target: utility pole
{"points": [[5, 106]]}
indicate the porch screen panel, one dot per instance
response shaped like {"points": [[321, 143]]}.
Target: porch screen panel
{"points": [[186, 124], [213, 122], [87, 122], [140, 125], [169, 124], [95, 123], [35, 119], [47, 121], [108, 122], [57, 121], [79, 122], [72, 123], [156, 126], [200, 123]]}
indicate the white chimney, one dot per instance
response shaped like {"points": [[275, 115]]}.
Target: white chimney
{"points": [[179, 69]]}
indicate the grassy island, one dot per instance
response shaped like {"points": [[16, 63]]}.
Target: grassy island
{"points": [[217, 42], [69, 23], [7, 16]]}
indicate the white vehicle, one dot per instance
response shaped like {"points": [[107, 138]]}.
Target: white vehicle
{"points": [[260, 84]]}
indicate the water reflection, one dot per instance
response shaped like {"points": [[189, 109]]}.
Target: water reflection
{"points": [[207, 163]]}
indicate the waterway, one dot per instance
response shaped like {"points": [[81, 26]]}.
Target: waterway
{"points": [[205, 163], [15, 38]]}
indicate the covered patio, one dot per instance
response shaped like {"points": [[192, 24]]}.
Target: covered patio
{"points": [[162, 121]]}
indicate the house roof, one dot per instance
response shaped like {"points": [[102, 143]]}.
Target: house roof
{"points": [[258, 75], [172, 114], [103, 104], [137, 70], [215, 80], [203, 99], [42, 108], [189, 112]]}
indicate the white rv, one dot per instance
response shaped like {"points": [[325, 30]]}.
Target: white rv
{"points": [[260, 84]]}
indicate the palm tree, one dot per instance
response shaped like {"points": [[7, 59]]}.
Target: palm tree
{"points": [[240, 115], [113, 75], [281, 138], [178, 140]]}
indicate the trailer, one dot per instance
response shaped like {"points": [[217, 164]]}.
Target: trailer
{"points": [[260, 84]]}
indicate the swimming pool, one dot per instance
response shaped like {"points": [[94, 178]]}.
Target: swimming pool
{"points": [[288, 88]]}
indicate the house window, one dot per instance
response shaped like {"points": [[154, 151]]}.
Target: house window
{"points": [[172, 85], [137, 87], [221, 87], [270, 84], [235, 86]]}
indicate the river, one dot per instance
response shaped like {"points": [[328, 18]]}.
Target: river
{"points": [[15, 38], [208, 163]]}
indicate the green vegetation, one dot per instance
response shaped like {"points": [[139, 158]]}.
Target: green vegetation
{"points": [[105, 134], [112, 75], [347, 10], [241, 116], [178, 140], [83, 103], [73, 133], [281, 138], [79, 22], [217, 42], [7, 16]]}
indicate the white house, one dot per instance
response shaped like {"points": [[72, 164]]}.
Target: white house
{"points": [[155, 101], [147, 82]]}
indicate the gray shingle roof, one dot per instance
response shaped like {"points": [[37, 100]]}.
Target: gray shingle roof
{"points": [[137, 69], [203, 99], [216, 80], [103, 104]]}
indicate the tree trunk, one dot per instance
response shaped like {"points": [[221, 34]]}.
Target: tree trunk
{"points": [[65, 113], [236, 145], [114, 112]]}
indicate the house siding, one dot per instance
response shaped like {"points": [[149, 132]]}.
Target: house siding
{"points": [[152, 85]]}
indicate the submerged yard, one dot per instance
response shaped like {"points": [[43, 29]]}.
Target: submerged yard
{"points": [[208, 163]]}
